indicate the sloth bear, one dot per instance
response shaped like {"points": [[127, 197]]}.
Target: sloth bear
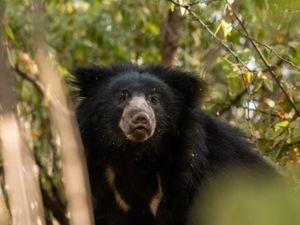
{"points": [[149, 147]]}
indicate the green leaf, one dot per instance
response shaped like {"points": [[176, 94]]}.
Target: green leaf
{"points": [[12, 57], [150, 27], [9, 32], [269, 84], [218, 27], [232, 76]]}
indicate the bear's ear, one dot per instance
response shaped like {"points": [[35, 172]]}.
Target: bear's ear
{"points": [[89, 78], [186, 85]]}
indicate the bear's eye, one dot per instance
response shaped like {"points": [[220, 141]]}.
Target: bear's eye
{"points": [[123, 96], [153, 99]]}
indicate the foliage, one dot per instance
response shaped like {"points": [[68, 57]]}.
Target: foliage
{"points": [[272, 203], [103, 31]]}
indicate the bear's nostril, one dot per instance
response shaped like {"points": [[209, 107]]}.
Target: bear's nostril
{"points": [[140, 118]]}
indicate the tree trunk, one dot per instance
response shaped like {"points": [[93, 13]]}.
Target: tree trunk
{"points": [[63, 118], [20, 170], [172, 34]]}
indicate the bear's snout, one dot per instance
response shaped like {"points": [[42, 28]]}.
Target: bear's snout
{"points": [[138, 120]]}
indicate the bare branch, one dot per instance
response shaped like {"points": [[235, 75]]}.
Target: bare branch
{"points": [[270, 70], [293, 65], [233, 101], [261, 111], [74, 164], [211, 54], [195, 3], [243, 92], [30, 78], [224, 44]]}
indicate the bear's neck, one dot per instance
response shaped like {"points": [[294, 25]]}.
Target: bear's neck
{"points": [[140, 155]]}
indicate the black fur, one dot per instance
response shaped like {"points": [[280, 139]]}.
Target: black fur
{"points": [[187, 148]]}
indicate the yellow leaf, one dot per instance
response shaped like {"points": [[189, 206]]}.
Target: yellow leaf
{"points": [[248, 77], [296, 149], [70, 8], [172, 7], [282, 124], [150, 27]]}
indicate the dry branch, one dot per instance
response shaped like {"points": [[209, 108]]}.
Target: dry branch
{"points": [[74, 165], [213, 52], [253, 42], [291, 64], [30, 78], [205, 26], [232, 102], [267, 64]]}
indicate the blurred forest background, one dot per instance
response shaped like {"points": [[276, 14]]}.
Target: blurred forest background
{"points": [[248, 51]]}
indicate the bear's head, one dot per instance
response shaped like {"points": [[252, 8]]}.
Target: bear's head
{"points": [[128, 103]]}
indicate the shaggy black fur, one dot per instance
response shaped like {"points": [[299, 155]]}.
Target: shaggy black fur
{"points": [[155, 181]]}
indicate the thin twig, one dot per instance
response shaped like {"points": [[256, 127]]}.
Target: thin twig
{"points": [[261, 55], [293, 65], [261, 111], [233, 101], [194, 3], [269, 68]]}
